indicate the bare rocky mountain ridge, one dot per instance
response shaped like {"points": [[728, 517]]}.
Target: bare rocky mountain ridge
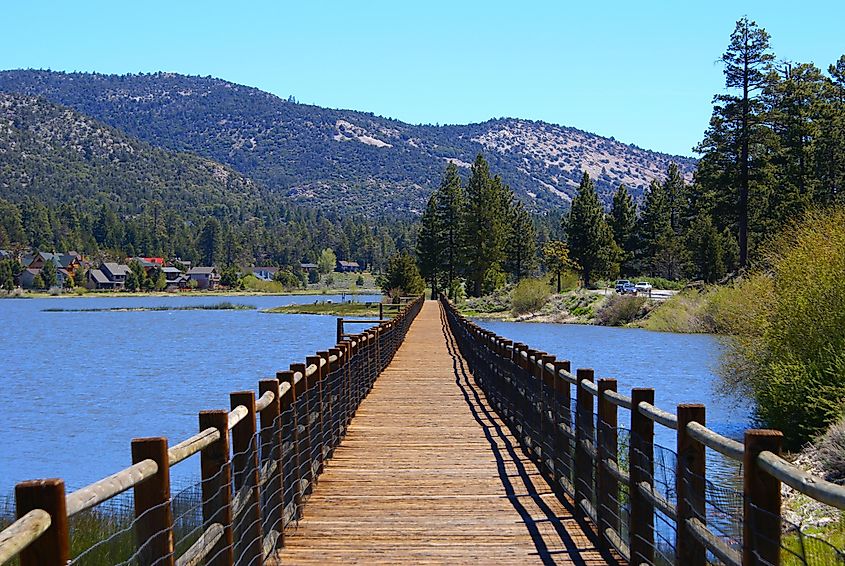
{"points": [[343, 160]]}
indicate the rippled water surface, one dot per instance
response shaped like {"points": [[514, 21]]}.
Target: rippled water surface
{"points": [[75, 388]]}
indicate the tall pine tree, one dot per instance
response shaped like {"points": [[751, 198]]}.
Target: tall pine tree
{"points": [[623, 222], [589, 237]]}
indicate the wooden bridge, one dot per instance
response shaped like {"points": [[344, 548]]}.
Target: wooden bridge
{"points": [[427, 439]]}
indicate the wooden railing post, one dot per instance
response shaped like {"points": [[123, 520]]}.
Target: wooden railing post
{"points": [[248, 538], [336, 396], [316, 382], [216, 487], [381, 311], [563, 407], [584, 434], [153, 513], [641, 465], [306, 458], [271, 448], [339, 330], [690, 486], [761, 524], [52, 548], [293, 476], [607, 487]]}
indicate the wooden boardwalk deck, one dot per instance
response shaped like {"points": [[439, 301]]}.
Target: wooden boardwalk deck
{"points": [[429, 474]]}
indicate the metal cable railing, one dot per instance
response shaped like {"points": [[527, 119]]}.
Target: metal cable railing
{"points": [[651, 504], [259, 462]]}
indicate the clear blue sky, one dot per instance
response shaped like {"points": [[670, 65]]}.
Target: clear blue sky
{"points": [[643, 72]]}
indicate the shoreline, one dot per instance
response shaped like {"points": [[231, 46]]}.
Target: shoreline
{"points": [[163, 294]]}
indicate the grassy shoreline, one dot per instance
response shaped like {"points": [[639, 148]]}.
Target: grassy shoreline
{"points": [[70, 294], [331, 309], [224, 306]]}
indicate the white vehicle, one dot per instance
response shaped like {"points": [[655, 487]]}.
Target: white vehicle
{"points": [[643, 287]]}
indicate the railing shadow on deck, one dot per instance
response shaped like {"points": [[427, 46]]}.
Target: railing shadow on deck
{"points": [[496, 437], [651, 504], [259, 462]]}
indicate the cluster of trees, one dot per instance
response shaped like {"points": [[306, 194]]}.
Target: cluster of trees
{"points": [[221, 239], [775, 145], [480, 233]]}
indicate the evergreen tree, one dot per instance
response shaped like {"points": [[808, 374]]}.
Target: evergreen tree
{"points": [[483, 228], [450, 203], [48, 274], [623, 223], [589, 237], [521, 242], [402, 277], [654, 228], [737, 124], [675, 189], [211, 242], [430, 245]]}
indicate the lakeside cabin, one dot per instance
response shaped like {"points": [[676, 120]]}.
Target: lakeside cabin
{"points": [[206, 277], [348, 267]]}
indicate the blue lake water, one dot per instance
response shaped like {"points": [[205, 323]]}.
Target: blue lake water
{"points": [[75, 388], [680, 367]]}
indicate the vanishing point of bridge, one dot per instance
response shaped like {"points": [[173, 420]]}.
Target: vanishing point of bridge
{"points": [[428, 439], [428, 472]]}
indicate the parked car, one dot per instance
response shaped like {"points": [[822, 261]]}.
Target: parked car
{"points": [[625, 287], [643, 287], [620, 284]]}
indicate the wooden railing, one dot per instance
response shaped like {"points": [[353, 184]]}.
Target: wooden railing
{"points": [[576, 442], [259, 462]]}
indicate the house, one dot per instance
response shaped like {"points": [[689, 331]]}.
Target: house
{"points": [[264, 273], [116, 273], [347, 266], [308, 267], [206, 277], [175, 278], [148, 263], [98, 280], [27, 277]]}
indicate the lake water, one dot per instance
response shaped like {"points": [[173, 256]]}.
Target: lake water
{"points": [[680, 367], [76, 387]]}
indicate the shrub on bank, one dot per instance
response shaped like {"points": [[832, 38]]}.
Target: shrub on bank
{"points": [[787, 320], [619, 310], [530, 295]]}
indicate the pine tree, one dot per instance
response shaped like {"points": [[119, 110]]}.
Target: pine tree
{"points": [[589, 237], [211, 242], [521, 242], [654, 227], [747, 63], [450, 203], [675, 190], [402, 277], [430, 245], [48, 274], [483, 228], [623, 222]]}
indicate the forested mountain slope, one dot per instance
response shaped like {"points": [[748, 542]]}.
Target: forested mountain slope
{"points": [[342, 159]]}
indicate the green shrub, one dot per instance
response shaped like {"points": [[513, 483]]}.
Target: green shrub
{"points": [[619, 310], [688, 311], [788, 324], [530, 295]]}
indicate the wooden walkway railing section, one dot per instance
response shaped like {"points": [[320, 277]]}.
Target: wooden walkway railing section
{"points": [[259, 462], [610, 472]]}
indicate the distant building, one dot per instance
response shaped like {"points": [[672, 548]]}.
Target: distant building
{"points": [[347, 266], [175, 278], [206, 277], [263, 273]]}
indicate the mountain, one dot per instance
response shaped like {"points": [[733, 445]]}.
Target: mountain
{"points": [[59, 155], [352, 162]]}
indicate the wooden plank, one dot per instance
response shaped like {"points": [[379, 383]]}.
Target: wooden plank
{"points": [[428, 473]]}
